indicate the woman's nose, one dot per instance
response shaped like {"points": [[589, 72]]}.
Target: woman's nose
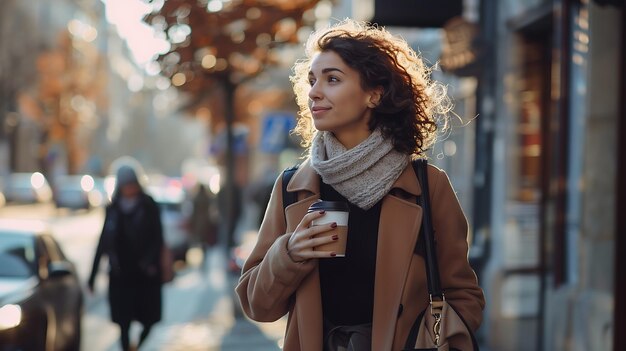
{"points": [[314, 93]]}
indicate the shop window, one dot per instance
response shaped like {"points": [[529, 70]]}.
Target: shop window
{"points": [[530, 90]]}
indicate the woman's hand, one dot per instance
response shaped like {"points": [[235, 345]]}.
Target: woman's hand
{"points": [[302, 241]]}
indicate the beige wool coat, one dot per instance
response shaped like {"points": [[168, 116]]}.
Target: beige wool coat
{"points": [[272, 285]]}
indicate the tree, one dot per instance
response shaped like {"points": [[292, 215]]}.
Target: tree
{"points": [[17, 59], [60, 72], [216, 46]]}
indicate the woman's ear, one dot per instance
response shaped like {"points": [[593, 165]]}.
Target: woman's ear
{"points": [[375, 97]]}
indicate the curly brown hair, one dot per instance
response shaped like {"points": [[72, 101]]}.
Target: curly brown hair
{"points": [[412, 105]]}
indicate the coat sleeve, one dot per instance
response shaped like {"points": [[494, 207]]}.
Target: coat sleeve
{"points": [[99, 251], [269, 277], [458, 280], [150, 256], [156, 230]]}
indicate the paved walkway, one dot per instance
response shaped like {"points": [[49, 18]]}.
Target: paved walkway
{"points": [[198, 315]]}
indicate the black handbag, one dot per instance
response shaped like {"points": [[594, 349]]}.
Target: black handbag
{"points": [[439, 327]]}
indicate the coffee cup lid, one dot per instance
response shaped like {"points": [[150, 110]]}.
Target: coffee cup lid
{"points": [[329, 206]]}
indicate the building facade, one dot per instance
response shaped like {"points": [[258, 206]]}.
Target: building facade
{"points": [[554, 96]]}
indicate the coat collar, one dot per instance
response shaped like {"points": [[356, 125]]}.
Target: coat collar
{"points": [[306, 179]]}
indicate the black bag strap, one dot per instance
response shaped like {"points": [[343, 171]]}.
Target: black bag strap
{"points": [[289, 197], [420, 166], [427, 244]]}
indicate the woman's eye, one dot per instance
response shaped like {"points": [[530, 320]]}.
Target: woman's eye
{"points": [[333, 79], [312, 82]]}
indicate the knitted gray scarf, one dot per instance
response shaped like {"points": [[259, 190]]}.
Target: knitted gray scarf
{"points": [[363, 174]]}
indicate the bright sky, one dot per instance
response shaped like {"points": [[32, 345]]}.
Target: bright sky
{"points": [[127, 16]]}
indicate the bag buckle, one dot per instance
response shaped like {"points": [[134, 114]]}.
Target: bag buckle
{"points": [[436, 310]]}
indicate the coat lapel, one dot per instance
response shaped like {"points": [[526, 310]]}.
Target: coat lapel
{"points": [[308, 307], [397, 235]]}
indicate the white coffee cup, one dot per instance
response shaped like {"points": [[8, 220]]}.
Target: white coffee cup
{"points": [[337, 212]]}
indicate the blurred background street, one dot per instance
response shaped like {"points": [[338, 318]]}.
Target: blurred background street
{"points": [[199, 311], [198, 93]]}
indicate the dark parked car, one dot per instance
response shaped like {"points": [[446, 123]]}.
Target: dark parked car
{"points": [[41, 300]]}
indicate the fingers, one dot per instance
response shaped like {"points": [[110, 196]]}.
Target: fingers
{"points": [[320, 240], [304, 250], [306, 237], [309, 218]]}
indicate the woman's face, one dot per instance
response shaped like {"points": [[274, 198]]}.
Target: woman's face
{"points": [[338, 103], [130, 190]]}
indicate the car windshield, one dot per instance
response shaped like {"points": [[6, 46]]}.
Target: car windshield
{"points": [[17, 255]]}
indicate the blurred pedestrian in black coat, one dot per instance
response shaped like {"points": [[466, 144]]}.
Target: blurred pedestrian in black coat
{"points": [[203, 220], [132, 239]]}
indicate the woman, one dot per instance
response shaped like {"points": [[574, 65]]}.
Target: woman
{"points": [[367, 106], [203, 228], [132, 239]]}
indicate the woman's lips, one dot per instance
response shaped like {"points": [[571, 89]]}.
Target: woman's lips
{"points": [[316, 111]]}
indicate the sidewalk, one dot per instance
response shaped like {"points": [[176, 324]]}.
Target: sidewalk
{"points": [[198, 314]]}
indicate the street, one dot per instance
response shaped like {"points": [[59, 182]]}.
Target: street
{"points": [[198, 306]]}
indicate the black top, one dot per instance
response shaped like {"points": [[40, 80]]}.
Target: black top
{"points": [[347, 283], [128, 245]]}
